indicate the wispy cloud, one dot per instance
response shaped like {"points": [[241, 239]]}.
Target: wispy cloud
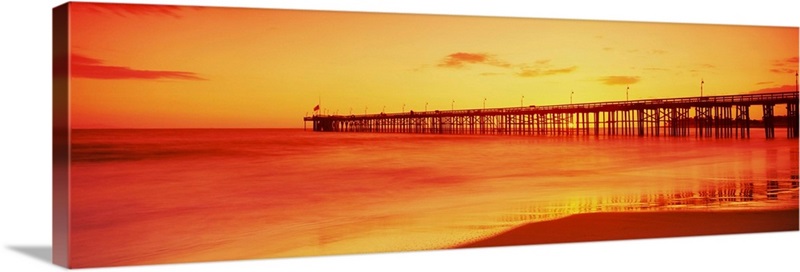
{"points": [[785, 66], [535, 72], [764, 82], [619, 80], [537, 68], [782, 70], [784, 88], [86, 67], [460, 59], [560, 71], [126, 10], [83, 60]]}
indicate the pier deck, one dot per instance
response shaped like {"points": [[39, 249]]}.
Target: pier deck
{"points": [[714, 116]]}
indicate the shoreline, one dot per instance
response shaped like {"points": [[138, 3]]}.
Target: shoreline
{"points": [[607, 226]]}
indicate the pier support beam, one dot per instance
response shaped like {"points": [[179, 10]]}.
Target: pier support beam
{"points": [[769, 120], [792, 119], [640, 122], [742, 121], [703, 122]]}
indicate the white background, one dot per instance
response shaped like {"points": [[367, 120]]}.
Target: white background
{"points": [[25, 150]]}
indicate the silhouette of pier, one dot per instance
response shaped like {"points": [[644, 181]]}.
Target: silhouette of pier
{"points": [[724, 116]]}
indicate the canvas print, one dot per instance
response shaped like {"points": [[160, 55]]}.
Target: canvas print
{"points": [[187, 133]]}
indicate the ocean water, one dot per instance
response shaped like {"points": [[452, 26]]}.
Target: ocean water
{"points": [[177, 195]]}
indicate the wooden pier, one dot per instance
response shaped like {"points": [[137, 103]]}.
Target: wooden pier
{"points": [[725, 116]]}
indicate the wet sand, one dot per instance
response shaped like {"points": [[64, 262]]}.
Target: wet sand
{"points": [[637, 225]]}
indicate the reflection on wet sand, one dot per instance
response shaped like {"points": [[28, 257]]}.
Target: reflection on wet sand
{"points": [[770, 194], [722, 207]]}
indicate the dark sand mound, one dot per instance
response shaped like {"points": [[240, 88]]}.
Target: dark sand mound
{"points": [[636, 225]]}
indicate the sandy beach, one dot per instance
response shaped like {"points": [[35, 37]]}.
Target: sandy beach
{"points": [[637, 225]]}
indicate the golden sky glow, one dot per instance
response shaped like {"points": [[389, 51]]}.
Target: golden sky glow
{"points": [[166, 66]]}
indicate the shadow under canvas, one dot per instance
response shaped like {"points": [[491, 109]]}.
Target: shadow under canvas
{"points": [[42, 253]]}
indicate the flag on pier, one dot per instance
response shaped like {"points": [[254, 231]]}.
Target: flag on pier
{"points": [[316, 108]]}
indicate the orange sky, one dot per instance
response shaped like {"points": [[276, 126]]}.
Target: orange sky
{"points": [[140, 66]]}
